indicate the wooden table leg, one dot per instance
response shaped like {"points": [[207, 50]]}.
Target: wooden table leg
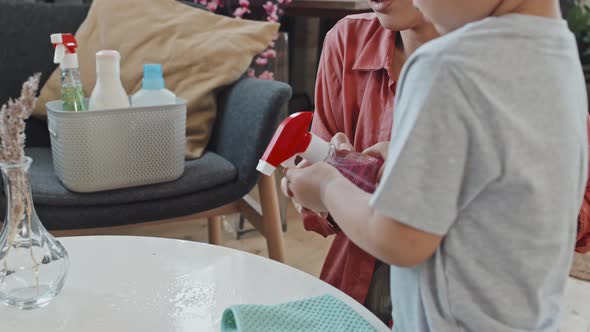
{"points": [[214, 230]]}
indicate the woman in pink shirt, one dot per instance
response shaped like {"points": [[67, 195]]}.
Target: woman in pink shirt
{"points": [[360, 63]]}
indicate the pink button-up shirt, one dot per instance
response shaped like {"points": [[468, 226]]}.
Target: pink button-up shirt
{"points": [[354, 94]]}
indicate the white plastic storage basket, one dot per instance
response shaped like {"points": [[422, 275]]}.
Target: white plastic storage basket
{"points": [[121, 148]]}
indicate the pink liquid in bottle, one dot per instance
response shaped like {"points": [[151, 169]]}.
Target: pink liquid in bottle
{"points": [[360, 169]]}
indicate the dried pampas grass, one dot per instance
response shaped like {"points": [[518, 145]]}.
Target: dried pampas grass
{"points": [[12, 122]]}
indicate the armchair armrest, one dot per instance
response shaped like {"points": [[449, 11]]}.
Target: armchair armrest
{"points": [[249, 113]]}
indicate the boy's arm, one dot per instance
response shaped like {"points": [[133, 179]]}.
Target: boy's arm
{"points": [[387, 239], [583, 238], [427, 177], [321, 186], [423, 184], [323, 224]]}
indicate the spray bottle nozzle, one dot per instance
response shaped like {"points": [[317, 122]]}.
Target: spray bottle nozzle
{"points": [[291, 139], [65, 49]]}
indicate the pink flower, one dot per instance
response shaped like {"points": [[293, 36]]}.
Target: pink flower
{"points": [[203, 2], [270, 7], [272, 18], [212, 6], [269, 54], [281, 12], [261, 61], [241, 11], [244, 3], [251, 72], [267, 75], [281, 2]]}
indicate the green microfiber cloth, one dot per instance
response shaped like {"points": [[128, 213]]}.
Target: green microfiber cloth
{"points": [[322, 314]]}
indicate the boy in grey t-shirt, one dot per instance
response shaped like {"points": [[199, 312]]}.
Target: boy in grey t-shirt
{"points": [[477, 207]]}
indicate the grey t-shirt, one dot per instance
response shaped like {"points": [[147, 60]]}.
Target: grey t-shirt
{"points": [[489, 149]]}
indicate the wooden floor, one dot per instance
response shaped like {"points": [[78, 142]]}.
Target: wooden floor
{"points": [[304, 250]]}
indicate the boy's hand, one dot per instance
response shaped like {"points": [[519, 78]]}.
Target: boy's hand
{"points": [[285, 189], [308, 184], [341, 142], [379, 150]]}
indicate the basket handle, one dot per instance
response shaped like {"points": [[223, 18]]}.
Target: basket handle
{"points": [[51, 129]]}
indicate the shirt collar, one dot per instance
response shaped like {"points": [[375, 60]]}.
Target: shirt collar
{"points": [[378, 53]]}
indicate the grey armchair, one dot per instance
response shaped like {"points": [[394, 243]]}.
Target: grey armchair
{"points": [[214, 185]]}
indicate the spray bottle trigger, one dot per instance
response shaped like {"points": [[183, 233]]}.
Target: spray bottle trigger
{"points": [[290, 163], [60, 52]]}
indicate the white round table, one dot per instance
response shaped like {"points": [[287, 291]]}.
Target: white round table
{"points": [[120, 283]]}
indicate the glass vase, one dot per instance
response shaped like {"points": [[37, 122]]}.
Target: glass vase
{"points": [[33, 264]]}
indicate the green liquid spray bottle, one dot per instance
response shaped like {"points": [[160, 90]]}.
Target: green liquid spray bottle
{"points": [[72, 93]]}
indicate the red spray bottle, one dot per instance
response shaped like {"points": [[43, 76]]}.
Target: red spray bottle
{"points": [[293, 139], [72, 92]]}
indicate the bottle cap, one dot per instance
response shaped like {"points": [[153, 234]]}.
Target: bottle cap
{"points": [[108, 55], [65, 50], [107, 62], [152, 77]]}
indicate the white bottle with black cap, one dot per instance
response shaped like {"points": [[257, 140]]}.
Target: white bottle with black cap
{"points": [[108, 92]]}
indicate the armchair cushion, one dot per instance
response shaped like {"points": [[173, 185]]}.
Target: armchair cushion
{"points": [[209, 171]]}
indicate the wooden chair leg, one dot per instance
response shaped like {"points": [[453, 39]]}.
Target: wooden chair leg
{"points": [[271, 218], [214, 230]]}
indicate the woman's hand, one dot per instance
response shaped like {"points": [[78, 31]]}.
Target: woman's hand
{"points": [[379, 150], [341, 142], [307, 185]]}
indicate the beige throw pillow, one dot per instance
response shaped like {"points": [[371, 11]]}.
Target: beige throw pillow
{"points": [[201, 52]]}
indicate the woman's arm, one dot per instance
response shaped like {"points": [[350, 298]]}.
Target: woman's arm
{"points": [[328, 96], [583, 238], [328, 89]]}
